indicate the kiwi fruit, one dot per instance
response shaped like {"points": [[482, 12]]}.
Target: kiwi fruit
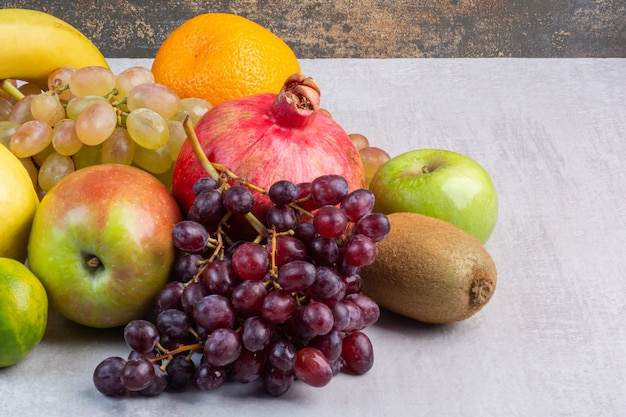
{"points": [[430, 270]]}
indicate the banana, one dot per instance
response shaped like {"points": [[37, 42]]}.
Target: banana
{"points": [[34, 43]]}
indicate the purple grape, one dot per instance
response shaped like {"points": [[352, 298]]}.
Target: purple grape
{"points": [[312, 367], [278, 306], [287, 249], [327, 285], [222, 347], [141, 336], [158, 384], [238, 199], [277, 382], [357, 352], [137, 373], [214, 311], [318, 317], [323, 251], [282, 193], [193, 293], [186, 267], [204, 183], [207, 208], [255, 333], [281, 354], [107, 377], [369, 308], [209, 377], [329, 344], [329, 189], [330, 222], [180, 372], [281, 218], [174, 323], [219, 277], [190, 236], [360, 251], [376, 226], [247, 367], [296, 275], [248, 296], [170, 296], [357, 204], [250, 261]]}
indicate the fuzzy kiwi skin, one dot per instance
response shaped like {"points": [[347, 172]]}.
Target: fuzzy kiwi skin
{"points": [[430, 270]]}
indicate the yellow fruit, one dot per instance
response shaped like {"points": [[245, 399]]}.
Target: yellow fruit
{"points": [[19, 202], [34, 43], [23, 311], [221, 56]]}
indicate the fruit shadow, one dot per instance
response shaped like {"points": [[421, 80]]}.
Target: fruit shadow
{"points": [[398, 324], [61, 331]]}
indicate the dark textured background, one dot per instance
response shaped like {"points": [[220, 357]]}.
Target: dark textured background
{"points": [[368, 28]]}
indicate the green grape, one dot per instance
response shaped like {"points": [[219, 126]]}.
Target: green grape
{"points": [[156, 97], [30, 138], [33, 171], [119, 148], [59, 79], [21, 110], [192, 106], [147, 128], [87, 156], [64, 138], [39, 157], [7, 129], [47, 108], [177, 137], [77, 104], [156, 161], [96, 123], [131, 77], [92, 81], [29, 88], [53, 169], [5, 108]]}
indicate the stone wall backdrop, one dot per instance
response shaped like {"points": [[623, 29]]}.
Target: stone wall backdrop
{"points": [[367, 28]]}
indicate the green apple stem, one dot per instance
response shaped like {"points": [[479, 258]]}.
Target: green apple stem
{"points": [[12, 90]]}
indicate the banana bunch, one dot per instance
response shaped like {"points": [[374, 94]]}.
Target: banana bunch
{"points": [[34, 43]]}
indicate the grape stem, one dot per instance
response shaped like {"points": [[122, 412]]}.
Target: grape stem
{"points": [[213, 169], [7, 86], [197, 149], [169, 354]]}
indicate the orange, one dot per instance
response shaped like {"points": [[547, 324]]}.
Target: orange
{"points": [[23, 311], [221, 57]]}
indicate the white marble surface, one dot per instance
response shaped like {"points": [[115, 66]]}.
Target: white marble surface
{"points": [[551, 342]]}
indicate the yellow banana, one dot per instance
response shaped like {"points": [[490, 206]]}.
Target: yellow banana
{"points": [[34, 43]]}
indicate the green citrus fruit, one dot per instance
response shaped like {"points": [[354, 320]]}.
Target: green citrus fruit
{"points": [[19, 202], [23, 311]]}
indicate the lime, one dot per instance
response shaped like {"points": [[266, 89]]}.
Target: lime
{"points": [[19, 202], [23, 311]]}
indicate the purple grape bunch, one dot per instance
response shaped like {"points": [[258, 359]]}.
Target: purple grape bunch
{"points": [[283, 306]]}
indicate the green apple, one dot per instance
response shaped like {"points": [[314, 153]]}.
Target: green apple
{"points": [[101, 244], [438, 183]]}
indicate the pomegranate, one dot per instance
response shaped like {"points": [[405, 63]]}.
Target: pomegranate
{"points": [[270, 137]]}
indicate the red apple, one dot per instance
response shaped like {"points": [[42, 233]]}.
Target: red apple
{"points": [[101, 243]]}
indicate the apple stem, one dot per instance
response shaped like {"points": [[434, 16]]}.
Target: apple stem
{"points": [[425, 169], [94, 262]]}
